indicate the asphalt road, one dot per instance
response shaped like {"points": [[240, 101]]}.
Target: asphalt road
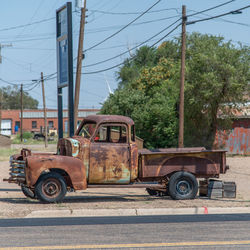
{"points": [[151, 232]]}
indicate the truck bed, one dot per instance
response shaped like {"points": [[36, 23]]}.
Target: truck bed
{"points": [[202, 163]]}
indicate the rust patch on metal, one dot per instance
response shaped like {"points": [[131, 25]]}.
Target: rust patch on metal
{"points": [[201, 164], [109, 163], [133, 162], [36, 165]]}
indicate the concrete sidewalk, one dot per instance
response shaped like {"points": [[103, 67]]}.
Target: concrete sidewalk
{"points": [[136, 212]]}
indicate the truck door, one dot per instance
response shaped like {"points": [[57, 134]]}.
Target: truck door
{"points": [[109, 155]]}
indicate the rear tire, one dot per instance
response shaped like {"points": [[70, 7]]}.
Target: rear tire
{"points": [[182, 186], [51, 188]]}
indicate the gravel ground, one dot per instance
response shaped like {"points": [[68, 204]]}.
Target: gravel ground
{"points": [[14, 204]]}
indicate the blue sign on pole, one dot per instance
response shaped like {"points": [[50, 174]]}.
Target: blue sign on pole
{"points": [[62, 47], [65, 64]]}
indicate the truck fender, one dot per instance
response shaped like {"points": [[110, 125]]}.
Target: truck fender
{"points": [[74, 167]]}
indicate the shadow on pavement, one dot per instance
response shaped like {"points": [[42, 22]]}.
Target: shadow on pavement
{"points": [[9, 190], [82, 199]]}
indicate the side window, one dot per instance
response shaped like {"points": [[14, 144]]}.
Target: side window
{"points": [[34, 124], [51, 124], [118, 134], [111, 134]]}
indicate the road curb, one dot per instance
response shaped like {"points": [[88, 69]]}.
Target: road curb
{"points": [[136, 212]]}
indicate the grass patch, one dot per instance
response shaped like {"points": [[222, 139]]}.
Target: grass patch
{"points": [[30, 141], [5, 153]]}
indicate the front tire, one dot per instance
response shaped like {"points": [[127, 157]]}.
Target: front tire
{"points": [[182, 186], [28, 192], [51, 188]]}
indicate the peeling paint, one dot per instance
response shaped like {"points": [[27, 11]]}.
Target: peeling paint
{"points": [[236, 141], [75, 147]]}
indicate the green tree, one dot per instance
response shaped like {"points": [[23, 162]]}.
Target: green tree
{"points": [[217, 77], [150, 99], [11, 99]]}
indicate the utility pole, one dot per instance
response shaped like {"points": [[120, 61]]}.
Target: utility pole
{"points": [[44, 113], [21, 129], [183, 55], [79, 63]]}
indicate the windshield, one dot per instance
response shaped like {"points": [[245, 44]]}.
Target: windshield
{"points": [[87, 129]]}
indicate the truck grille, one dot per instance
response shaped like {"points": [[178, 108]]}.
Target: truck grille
{"points": [[17, 171]]}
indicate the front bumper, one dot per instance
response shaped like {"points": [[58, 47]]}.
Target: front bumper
{"points": [[17, 171]]}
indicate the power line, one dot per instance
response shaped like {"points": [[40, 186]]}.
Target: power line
{"points": [[212, 8], [224, 14], [224, 20], [28, 40], [35, 85], [31, 19], [115, 66], [107, 38], [20, 65], [149, 39], [95, 18], [120, 46], [16, 84], [9, 83], [26, 48], [28, 24], [132, 13], [103, 29]]}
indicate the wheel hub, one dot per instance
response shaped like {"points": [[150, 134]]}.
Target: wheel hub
{"points": [[183, 187], [51, 188]]}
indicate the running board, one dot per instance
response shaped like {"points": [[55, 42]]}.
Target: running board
{"points": [[143, 185]]}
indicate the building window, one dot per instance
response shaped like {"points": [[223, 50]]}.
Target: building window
{"points": [[17, 124], [34, 124], [51, 124]]}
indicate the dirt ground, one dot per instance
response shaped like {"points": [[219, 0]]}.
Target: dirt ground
{"points": [[14, 204]]}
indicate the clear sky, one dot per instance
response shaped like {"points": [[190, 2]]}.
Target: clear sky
{"points": [[23, 25]]}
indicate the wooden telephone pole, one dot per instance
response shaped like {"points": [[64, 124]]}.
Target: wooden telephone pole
{"points": [[183, 55], [79, 63], [44, 113]]}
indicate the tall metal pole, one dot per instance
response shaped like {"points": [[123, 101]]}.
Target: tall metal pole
{"points": [[79, 63], [71, 124], [44, 112], [183, 55], [60, 112], [21, 129]]}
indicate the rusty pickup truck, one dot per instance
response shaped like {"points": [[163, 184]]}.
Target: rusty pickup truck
{"points": [[104, 153]]}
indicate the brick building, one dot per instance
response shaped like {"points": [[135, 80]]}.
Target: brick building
{"points": [[33, 120]]}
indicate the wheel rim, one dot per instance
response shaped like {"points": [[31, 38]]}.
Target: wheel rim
{"points": [[51, 188], [183, 187]]}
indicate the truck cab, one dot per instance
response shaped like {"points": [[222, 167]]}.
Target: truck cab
{"points": [[107, 147]]}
